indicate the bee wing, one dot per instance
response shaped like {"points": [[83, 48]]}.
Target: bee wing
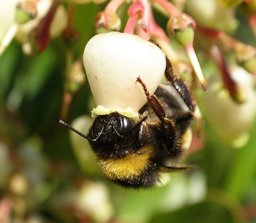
{"points": [[177, 167]]}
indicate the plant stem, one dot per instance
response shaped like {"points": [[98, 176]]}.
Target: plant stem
{"points": [[195, 63], [131, 24]]}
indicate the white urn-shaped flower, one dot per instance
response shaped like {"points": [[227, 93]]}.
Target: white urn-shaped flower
{"points": [[231, 121], [113, 61]]}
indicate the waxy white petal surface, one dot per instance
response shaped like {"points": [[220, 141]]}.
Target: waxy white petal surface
{"points": [[113, 61]]}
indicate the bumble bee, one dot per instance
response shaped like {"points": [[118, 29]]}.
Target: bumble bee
{"points": [[135, 153]]}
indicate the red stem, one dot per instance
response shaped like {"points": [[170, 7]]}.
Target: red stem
{"points": [[43, 32], [135, 12], [131, 24], [168, 7], [221, 63], [156, 30], [252, 23], [211, 33]]}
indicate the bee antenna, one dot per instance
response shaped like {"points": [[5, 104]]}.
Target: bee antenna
{"points": [[119, 135], [74, 130], [98, 136]]}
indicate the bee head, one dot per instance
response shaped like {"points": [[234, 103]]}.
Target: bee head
{"points": [[111, 132]]}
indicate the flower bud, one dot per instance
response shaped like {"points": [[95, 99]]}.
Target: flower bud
{"points": [[59, 22], [25, 11], [7, 12], [22, 16], [82, 149], [185, 37], [212, 14], [93, 199], [231, 121], [250, 65]]}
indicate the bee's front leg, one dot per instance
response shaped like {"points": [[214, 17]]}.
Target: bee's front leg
{"points": [[168, 125]]}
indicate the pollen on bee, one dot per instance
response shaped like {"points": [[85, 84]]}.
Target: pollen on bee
{"points": [[186, 139], [127, 167]]}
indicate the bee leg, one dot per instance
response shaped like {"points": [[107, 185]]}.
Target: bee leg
{"points": [[158, 108], [175, 167], [182, 116], [169, 133], [179, 86], [153, 101], [168, 124]]}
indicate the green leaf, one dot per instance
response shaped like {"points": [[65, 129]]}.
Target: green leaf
{"points": [[138, 206], [9, 65], [217, 159], [207, 211], [39, 71], [84, 22], [41, 83], [243, 168]]}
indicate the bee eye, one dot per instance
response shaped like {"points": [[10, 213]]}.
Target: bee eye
{"points": [[125, 124]]}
